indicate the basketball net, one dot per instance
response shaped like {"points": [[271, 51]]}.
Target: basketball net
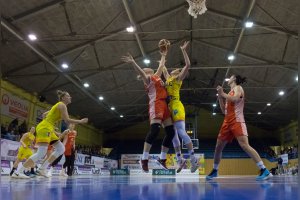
{"points": [[197, 7]]}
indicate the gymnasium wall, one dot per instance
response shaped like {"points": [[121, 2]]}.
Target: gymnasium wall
{"points": [[207, 128], [289, 134], [28, 107]]}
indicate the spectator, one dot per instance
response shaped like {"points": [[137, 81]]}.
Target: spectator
{"points": [[280, 167], [14, 125], [23, 127]]}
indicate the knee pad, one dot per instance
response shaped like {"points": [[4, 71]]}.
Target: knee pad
{"points": [[176, 141], [180, 129], [40, 153], [154, 131], [59, 149], [170, 132]]}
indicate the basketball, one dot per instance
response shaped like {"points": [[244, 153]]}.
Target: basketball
{"points": [[164, 45]]}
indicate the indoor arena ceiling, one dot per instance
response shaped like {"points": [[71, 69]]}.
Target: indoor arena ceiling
{"points": [[90, 36]]}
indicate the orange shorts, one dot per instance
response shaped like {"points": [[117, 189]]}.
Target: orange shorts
{"points": [[159, 110], [229, 131]]}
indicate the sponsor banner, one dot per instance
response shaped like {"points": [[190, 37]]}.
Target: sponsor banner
{"points": [[110, 164], [80, 159], [84, 170], [5, 167], [132, 162], [163, 172], [116, 172], [9, 149], [98, 162], [85, 163], [285, 158], [14, 106]]}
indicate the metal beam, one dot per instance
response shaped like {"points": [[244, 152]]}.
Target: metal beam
{"points": [[35, 11], [203, 67], [257, 24], [94, 41], [268, 62], [52, 63], [116, 66], [128, 12], [201, 88]]}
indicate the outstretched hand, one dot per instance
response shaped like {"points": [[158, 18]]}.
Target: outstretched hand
{"points": [[128, 58], [184, 46], [84, 120]]}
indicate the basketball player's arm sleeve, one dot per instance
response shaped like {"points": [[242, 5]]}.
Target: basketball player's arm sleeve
{"points": [[161, 65], [186, 68]]}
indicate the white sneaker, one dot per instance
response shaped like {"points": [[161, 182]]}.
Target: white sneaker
{"points": [[50, 172], [19, 175], [180, 164], [63, 173], [42, 172], [194, 164]]}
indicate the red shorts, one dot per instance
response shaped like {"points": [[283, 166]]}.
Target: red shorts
{"points": [[229, 131], [159, 110]]}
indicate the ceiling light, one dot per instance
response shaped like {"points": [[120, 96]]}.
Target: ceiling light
{"points": [[32, 37], [248, 24], [259, 113], [146, 61], [214, 113], [86, 85], [269, 104], [296, 78], [231, 57], [101, 98], [112, 108], [121, 116], [214, 105], [65, 66], [281, 93], [130, 29]]}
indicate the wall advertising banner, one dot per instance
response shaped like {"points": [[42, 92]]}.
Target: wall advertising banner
{"points": [[13, 106]]}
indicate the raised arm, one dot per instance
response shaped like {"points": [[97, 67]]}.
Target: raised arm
{"points": [[166, 73], [137, 68], [161, 64], [185, 69], [221, 103]]}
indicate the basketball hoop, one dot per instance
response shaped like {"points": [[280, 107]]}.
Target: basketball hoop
{"points": [[197, 7]]}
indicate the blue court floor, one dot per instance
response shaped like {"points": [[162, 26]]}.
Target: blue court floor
{"points": [[140, 187]]}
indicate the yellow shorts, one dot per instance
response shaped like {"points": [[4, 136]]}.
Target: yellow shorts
{"points": [[24, 153], [177, 110], [45, 132]]}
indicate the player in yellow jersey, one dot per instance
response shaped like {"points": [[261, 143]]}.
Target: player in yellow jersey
{"points": [[25, 150], [45, 135], [173, 85]]}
